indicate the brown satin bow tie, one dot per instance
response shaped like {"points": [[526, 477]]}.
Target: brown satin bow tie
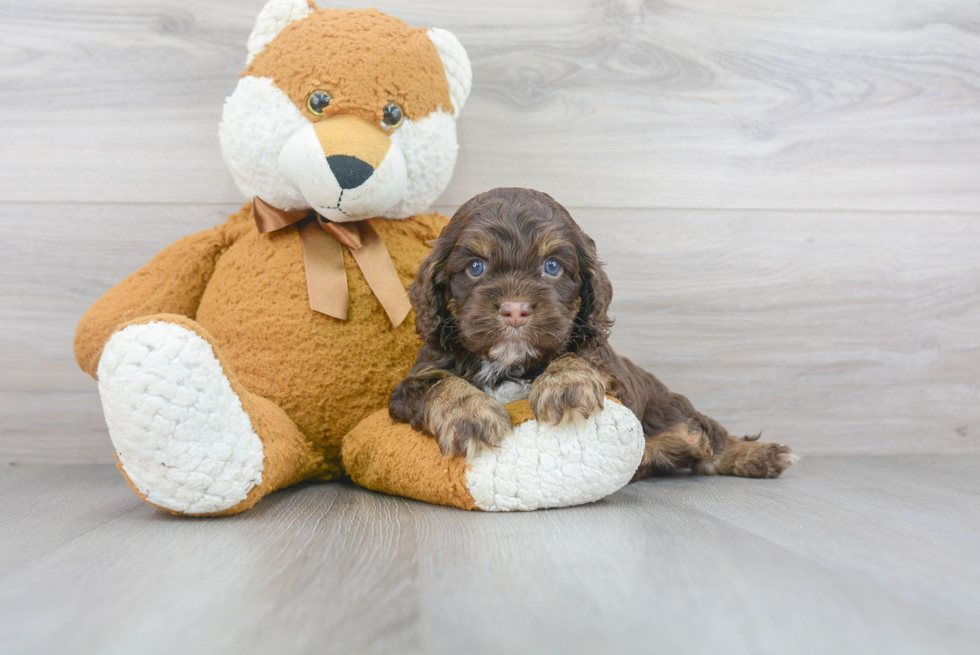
{"points": [[323, 255]]}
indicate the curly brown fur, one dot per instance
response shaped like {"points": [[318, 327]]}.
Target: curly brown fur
{"points": [[570, 389], [529, 252], [463, 418], [751, 460]]}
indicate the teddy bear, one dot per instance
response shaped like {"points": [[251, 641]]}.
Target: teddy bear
{"points": [[260, 353]]}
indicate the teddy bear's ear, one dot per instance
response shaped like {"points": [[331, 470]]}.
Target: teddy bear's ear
{"points": [[274, 17], [456, 63]]}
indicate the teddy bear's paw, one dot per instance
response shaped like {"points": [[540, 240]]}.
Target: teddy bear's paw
{"points": [[180, 432], [543, 465]]}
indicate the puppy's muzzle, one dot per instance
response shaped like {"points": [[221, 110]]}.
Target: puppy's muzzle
{"points": [[515, 312]]}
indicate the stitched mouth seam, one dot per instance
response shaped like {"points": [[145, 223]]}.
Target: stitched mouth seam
{"points": [[340, 200]]}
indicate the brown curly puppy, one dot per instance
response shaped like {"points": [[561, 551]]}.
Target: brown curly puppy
{"points": [[512, 303]]}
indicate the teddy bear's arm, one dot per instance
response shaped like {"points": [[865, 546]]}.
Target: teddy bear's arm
{"points": [[170, 283]]}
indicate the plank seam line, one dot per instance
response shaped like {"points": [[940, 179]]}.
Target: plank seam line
{"points": [[795, 210]]}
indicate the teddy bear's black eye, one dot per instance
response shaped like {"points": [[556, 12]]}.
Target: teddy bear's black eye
{"points": [[393, 116], [317, 102]]}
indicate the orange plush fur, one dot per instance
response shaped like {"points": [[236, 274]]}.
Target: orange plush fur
{"points": [[221, 384], [305, 379]]}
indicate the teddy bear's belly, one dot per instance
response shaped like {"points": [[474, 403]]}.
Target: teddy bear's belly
{"points": [[327, 374]]}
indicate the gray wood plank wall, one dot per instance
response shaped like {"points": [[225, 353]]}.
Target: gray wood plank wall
{"points": [[787, 192]]}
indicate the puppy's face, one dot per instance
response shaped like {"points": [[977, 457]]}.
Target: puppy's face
{"points": [[513, 283], [513, 280]]}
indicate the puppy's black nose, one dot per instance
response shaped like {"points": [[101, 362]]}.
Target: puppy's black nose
{"points": [[515, 313], [350, 172]]}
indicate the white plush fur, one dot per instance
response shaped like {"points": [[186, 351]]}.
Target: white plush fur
{"points": [[266, 142], [303, 165], [271, 151], [429, 147], [274, 17], [180, 432], [257, 121], [543, 466], [456, 63]]}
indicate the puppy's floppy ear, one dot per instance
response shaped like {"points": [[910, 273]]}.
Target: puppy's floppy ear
{"points": [[592, 323], [433, 322]]}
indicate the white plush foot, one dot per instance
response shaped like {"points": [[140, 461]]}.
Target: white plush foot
{"points": [[179, 430], [557, 466]]}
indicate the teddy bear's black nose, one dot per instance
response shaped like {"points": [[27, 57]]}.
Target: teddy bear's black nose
{"points": [[350, 172]]}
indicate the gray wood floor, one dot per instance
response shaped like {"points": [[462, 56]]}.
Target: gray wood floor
{"points": [[842, 555], [788, 196]]}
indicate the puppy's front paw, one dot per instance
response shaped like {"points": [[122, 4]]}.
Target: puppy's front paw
{"points": [[570, 389], [464, 419]]}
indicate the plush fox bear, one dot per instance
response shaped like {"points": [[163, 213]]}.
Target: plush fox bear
{"points": [[238, 360]]}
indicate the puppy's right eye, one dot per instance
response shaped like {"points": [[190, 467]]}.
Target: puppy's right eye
{"points": [[476, 268]]}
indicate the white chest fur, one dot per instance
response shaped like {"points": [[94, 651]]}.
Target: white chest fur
{"points": [[505, 391], [509, 391]]}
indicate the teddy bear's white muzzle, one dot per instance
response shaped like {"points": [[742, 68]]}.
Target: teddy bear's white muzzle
{"points": [[341, 183]]}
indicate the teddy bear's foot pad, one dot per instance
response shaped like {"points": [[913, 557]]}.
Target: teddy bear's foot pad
{"points": [[180, 432], [542, 466], [539, 466]]}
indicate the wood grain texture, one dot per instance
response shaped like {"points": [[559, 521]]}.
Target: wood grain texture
{"points": [[837, 333], [623, 103], [50, 272], [836, 329], [856, 555]]}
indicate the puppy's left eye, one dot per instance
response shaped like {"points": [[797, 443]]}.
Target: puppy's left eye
{"points": [[476, 268], [552, 268]]}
